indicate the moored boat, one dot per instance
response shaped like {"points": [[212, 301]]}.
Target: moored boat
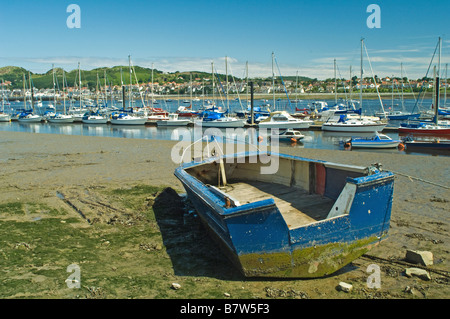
{"points": [[173, 120], [283, 120], [127, 119], [435, 144], [376, 141], [309, 218], [287, 135]]}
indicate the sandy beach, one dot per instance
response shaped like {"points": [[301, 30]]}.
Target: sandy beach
{"points": [[55, 171]]}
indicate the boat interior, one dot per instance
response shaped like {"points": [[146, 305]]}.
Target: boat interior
{"points": [[304, 191]]}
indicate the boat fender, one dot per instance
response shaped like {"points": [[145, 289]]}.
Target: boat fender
{"points": [[260, 139], [401, 146], [293, 140], [227, 202]]}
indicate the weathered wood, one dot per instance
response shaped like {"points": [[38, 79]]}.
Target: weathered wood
{"points": [[296, 205]]}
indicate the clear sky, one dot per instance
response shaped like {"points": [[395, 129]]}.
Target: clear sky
{"points": [[305, 36]]}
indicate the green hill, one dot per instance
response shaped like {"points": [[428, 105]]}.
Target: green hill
{"points": [[113, 76]]}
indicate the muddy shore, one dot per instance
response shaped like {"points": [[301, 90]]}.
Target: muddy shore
{"points": [[37, 168]]}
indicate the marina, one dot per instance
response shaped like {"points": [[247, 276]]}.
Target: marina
{"points": [[171, 129]]}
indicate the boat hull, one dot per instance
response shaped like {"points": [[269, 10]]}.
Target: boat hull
{"points": [[95, 120], [172, 123], [236, 123], [30, 120], [260, 241], [431, 131], [428, 145], [61, 120], [285, 125], [137, 121], [375, 145], [5, 118], [336, 127]]}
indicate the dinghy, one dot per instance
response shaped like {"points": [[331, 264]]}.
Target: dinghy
{"points": [[307, 219]]}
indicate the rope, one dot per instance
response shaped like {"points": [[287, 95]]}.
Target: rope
{"points": [[420, 179]]}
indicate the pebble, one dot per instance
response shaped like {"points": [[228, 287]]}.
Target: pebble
{"points": [[345, 286], [424, 258], [176, 286], [418, 272]]}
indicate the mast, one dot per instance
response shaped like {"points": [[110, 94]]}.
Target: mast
{"points": [[246, 71], [151, 88], [79, 80], [273, 82], [392, 97], [438, 74], [24, 94], [226, 80], [96, 90], [190, 84], [445, 85], [335, 83], [129, 93], [54, 85], [32, 95], [361, 79], [212, 72], [64, 94], [350, 85], [106, 91], [401, 76]]}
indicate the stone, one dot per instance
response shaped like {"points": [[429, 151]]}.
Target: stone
{"points": [[418, 272], [343, 286], [424, 258], [176, 286]]}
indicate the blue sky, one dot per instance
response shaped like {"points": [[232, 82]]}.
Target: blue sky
{"points": [[306, 36]]}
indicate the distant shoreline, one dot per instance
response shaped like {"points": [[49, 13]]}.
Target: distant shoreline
{"points": [[269, 97]]}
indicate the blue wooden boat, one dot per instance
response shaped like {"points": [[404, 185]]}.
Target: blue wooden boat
{"points": [[307, 220]]}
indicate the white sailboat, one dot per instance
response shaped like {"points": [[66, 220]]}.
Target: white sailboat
{"points": [[60, 117], [344, 124], [4, 117], [127, 118], [96, 117], [219, 119], [29, 117]]}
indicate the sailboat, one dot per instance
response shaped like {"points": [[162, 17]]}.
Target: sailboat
{"points": [[429, 127], [60, 117], [219, 119], [124, 117], [78, 112], [27, 116], [95, 117], [4, 117], [347, 124], [282, 119]]}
